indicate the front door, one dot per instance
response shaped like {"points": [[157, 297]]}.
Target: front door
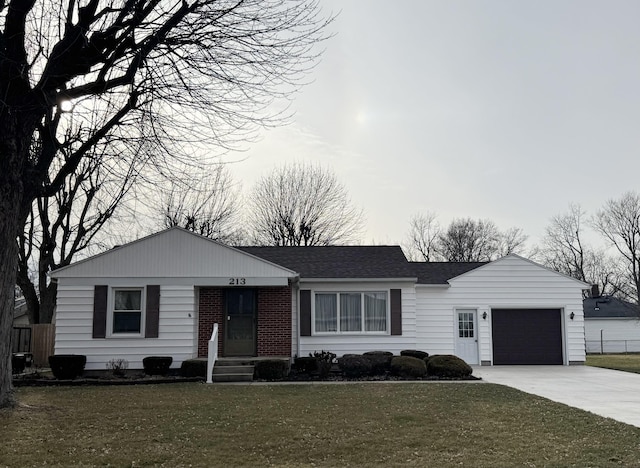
{"points": [[467, 336], [241, 322]]}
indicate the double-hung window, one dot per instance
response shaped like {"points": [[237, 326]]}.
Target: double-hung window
{"points": [[127, 311], [351, 312]]}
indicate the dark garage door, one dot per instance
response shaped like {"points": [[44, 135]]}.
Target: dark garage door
{"points": [[526, 336]]}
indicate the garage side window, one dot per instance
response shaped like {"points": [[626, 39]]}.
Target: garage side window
{"points": [[127, 311]]}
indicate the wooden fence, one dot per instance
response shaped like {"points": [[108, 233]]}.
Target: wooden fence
{"points": [[38, 340]]}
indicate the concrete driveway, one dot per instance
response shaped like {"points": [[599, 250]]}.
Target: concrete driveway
{"points": [[609, 393]]}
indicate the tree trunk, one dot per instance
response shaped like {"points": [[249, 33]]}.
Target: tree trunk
{"points": [[14, 146], [30, 296], [48, 302], [10, 201]]}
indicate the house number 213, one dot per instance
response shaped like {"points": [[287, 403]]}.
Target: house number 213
{"points": [[237, 281]]}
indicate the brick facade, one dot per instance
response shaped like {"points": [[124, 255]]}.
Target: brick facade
{"points": [[274, 320]]}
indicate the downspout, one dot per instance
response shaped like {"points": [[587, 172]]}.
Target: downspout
{"points": [[296, 285]]}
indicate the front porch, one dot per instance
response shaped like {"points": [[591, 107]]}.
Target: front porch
{"points": [[252, 322]]}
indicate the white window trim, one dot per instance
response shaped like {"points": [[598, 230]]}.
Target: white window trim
{"points": [[347, 333], [110, 310]]}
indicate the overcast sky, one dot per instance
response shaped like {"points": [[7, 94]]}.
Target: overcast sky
{"points": [[485, 109]]}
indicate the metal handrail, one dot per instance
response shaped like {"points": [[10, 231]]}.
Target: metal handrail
{"points": [[212, 354]]}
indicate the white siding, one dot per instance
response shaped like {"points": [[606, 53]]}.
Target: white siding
{"points": [[176, 253], [618, 335], [511, 282], [360, 343], [74, 324]]}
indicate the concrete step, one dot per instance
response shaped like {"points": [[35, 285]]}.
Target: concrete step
{"points": [[223, 362], [232, 377], [232, 369]]}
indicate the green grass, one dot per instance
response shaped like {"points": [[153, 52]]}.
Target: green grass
{"points": [[623, 362], [372, 424]]}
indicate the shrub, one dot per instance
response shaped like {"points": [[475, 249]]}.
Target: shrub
{"points": [[380, 361], [118, 366], [355, 365], [67, 366], [18, 363], [157, 365], [270, 369], [324, 361], [194, 368], [447, 365], [408, 367], [306, 364], [414, 353]]}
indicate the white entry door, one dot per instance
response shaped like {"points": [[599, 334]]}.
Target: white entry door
{"points": [[467, 336]]}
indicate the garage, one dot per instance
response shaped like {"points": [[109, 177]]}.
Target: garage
{"points": [[526, 336]]}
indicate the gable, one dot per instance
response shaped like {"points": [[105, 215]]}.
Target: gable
{"points": [[514, 268], [174, 253]]}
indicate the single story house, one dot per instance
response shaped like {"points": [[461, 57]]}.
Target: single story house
{"points": [[611, 325], [163, 294]]}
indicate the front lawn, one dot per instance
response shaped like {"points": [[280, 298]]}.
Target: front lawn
{"points": [[623, 362], [372, 424]]}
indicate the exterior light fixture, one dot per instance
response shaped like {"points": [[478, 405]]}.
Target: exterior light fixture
{"points": [[571, 315], [484, 315]]}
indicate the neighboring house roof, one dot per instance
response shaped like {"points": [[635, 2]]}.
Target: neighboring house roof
{"points": [[375, 261], [20, 307], [609, 307], [441, 272]]}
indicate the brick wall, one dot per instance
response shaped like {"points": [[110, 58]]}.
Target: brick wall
{"points": [[210, 311], [274, 320]]}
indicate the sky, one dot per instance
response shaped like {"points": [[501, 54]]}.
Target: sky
{"points": [[484, 109]]}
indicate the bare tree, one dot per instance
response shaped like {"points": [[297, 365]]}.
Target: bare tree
{"points": [[64, 225], [208, 207], [511, 241], [303, 204], [619, 223], [565, 250], [183, 73], [467, 240], [422, 243]]}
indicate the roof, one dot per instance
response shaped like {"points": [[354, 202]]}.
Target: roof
{"points": [[609, 307], [358, 261], [441, 272]]}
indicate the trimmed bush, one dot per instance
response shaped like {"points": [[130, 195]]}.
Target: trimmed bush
{"points": [[305, 364], [355, 365], [408, 367], [414, 353], [18, 363], [67, 366], [447, 365], [270, 369], [380, 361], [157, 365], [194, 368]]}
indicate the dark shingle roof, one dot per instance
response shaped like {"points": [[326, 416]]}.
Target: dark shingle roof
{"points": [[441, 272], [359, 261], [609, 307]]}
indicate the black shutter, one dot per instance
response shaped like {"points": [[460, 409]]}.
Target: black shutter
{"points": [[152, 317], [100, 311], [396, 312], [305, 312]]}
